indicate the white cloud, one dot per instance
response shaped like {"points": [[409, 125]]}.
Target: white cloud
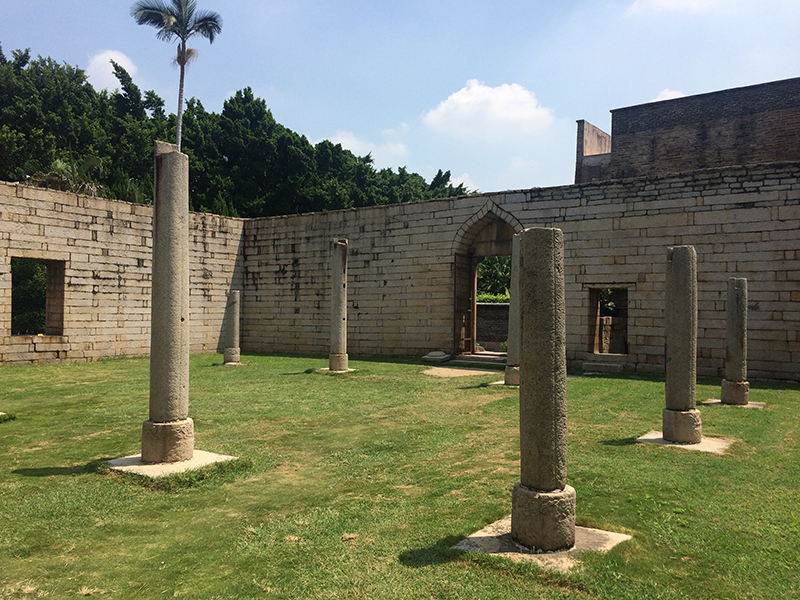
{"points": [[101, 73], [388, 153], [478, 113], [466, 180], [693, 6], [668, 94]]}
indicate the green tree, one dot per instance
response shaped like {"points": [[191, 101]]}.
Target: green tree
{"points": [[494, 275], [178, 19]]}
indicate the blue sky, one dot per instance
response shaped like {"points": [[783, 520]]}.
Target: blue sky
{"points": [[489, 90]]}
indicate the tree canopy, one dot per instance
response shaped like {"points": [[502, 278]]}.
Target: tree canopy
{"points": [[56, 130]]}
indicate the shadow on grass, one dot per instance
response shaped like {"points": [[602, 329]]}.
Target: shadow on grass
{"points": [[95, 466], [439, 553], [622, 442]]}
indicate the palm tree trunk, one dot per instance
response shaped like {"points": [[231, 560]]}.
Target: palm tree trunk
{"points": [[182, 64]]}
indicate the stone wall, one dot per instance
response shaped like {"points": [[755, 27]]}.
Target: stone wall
{"points": [[103, 250], [744, 222]]}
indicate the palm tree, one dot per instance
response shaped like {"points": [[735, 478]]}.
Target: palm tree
{"points": [[178, 19]]}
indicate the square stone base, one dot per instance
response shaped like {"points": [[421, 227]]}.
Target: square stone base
{"points": [[496, 539], [135, 464], [706, 444]]}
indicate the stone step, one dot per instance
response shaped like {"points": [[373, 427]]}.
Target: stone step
{"points": [[483, 360], [603, 367]]}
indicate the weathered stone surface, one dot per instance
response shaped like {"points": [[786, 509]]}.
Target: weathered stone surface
{"points": [[167, 442], [543, 369], [231, 356], [168, 436], [169, 332], [511, 376], [231, 353], [680, 323], [735, 392], [513, 350], [682, 426], [735, 388], [338, 351], [543, 521], [543, 505]]}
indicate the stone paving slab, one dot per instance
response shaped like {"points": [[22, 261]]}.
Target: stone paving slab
{"points": [[134, 464], [496, 539], [457, 372], [718, 402], [707, 444]]}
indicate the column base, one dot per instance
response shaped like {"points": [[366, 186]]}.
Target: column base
{"points": [[735, 392], [543, 521], [337, 362], [682, 426], [231, 356], [512, 376], [167, 442]]}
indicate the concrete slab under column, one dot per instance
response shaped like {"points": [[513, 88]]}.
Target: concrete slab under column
{"points": [[706, 444], [134, 464], [456, 372], [496, 539], [718, 402]]}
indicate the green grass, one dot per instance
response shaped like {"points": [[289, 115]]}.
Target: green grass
{"points": [[357, 486]]}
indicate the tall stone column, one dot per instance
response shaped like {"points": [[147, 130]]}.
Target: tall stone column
{"points": [[231, 353], [681, 419], [338, 353], [512, 352], [735, 387], [168, 435], [542, 504]]}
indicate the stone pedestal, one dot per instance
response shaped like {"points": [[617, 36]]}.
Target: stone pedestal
{"points": [[735, 387], [168, 435], [681, 420], [338, 353], [231, 353], [543, 520], [512, 352], [543, 506]]}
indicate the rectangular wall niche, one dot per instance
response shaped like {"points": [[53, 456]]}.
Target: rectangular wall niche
{"points": [[37, 296], [608, 320]]}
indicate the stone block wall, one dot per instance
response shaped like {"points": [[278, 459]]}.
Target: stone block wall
{"points": [[102, 252], [744, 222]]}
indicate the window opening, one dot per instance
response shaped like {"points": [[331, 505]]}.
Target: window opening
{"points": [[37, 296]]}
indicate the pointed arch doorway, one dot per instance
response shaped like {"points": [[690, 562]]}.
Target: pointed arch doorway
{"points": [[487, 233]]}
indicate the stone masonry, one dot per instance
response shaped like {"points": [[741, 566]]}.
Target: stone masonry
{"points": [[740, 220]]}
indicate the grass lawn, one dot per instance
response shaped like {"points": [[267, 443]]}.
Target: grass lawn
{"points": [[357, 485]]}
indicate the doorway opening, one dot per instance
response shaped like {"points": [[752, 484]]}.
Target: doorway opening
{"points": [[489, 235], [608, 320]]}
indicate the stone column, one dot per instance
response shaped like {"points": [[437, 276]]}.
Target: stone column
{"points": [[168, 435], [681, 419], [512, 352], [232, 329], [338, 353], [735, 387], [542, 504]]}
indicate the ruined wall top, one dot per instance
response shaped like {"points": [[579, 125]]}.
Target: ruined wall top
{"points": [[743, 126]]}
